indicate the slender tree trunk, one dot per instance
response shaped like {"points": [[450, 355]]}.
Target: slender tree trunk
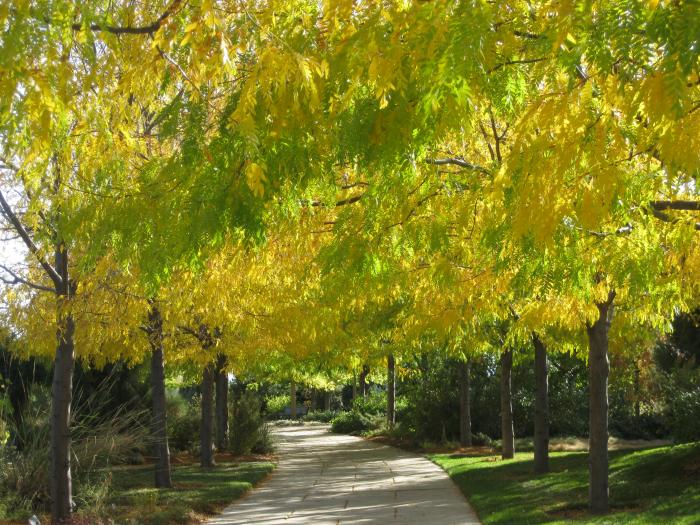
{"points": [[507, 433], [221, 403], [465, 419], [160, 429], [61, 486], [293, 400], [637, 392], [363, 380], [354, 387], [206, 433], [327, 400], [61, 397], [598, 371], [541, 407], [391, 390]]}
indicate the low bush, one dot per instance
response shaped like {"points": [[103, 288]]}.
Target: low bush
{"points": [[684, 415], [644, 426], [264, 443], [355, 422], [250, 432], [324, 416], [482, 440], [374, 403], [275, 405], [183, 423], [97, 442]]}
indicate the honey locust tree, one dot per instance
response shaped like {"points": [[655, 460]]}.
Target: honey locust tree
{"points": [[600, 121]]}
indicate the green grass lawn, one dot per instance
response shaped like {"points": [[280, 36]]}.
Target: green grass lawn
{"points": [[649, 486], [197, 493]]}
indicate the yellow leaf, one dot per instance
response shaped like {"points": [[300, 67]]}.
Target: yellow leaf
{"points": [[255, 177]]}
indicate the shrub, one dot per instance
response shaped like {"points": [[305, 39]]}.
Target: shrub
{"points": [[264, 443], [684, 415], [374, 403], [249, 432], [324, 416], [96, 443], [644, 426], [275, 405], [481, 440], [183, 423], [355, 422]]}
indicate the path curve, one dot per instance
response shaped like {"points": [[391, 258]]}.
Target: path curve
{"points": [[325, 478]]}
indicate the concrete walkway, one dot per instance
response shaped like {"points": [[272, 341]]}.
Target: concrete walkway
{"points": [[324, 478]]}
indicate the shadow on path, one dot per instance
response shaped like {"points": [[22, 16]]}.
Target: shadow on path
{"points": [[325, 478]]}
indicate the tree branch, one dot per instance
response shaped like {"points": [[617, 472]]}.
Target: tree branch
{"points": [[458, 162], [16, 279], [667, 218], [514, 62], [189, 331], [676, 205], [24, 234], [130, 30], [349, 200]]}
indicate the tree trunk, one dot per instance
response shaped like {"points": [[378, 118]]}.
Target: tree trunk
{"points": [[541, 407], [160, 429], [391, 391], [293, 400], [354, 386], [507, 433], [327, 401], [465, 419], [61, 398], [598, 370], [363, 380], [61, 486], [206, 434], [221, 403], [637, 392]]}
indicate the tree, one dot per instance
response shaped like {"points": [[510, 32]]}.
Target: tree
{"points": [[160, 430], [465, 422], [541, 407], [507, 433], [221, 409], [391, 391]]}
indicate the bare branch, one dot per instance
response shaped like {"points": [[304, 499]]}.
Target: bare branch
{"points": [[459, 162], [17, 279], [129, 30], [622, 230], [496, 137], [515, 62], [24, 234], [8, 165], [667, 218], [676, 205], [172, 61], [349, 200]]}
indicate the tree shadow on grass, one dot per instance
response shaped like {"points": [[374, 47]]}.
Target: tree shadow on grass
{"points": [[196, 492], [646, 486]]}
